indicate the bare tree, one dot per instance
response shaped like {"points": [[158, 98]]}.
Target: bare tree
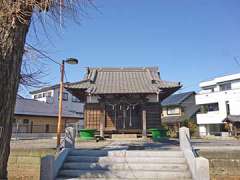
{"points": [[15, 20]]}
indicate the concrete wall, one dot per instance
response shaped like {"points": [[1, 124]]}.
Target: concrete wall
{"points": [[223, 164]]}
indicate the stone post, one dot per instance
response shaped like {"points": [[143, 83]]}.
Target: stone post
{"points": [[47, 168], [183, 134], [144, 123], [69, 139]]}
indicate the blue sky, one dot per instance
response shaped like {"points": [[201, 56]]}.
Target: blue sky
{"points": [[188, 40]]}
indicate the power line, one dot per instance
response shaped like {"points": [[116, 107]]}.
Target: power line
{"points": [[43, 54], [236, 60], [65, 76]]}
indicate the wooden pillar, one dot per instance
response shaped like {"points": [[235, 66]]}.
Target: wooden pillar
{"points": [[235, 130], [144, 123], [102, 121]]}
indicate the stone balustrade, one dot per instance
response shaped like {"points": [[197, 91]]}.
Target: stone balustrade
{"points": [[198, 166]]}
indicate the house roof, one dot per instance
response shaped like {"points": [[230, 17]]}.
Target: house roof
{"points": [[232, 118], [37, 108], [190, 111], [47, 88], [122, 80], [176, 99]]}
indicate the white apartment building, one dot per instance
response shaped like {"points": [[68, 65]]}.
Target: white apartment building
{"points": [[50, 95], [218, 98]]}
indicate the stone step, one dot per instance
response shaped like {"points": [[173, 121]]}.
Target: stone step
{"points": [[106, 159], [124, 166], [164, 178], [116, 178], [124, 153], [123, 174]]}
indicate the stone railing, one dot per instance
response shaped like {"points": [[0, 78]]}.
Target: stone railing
{"points": [[198, 166], [50, 165]]}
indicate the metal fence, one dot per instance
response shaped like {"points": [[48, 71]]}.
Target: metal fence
{"points": [[45, 128]]}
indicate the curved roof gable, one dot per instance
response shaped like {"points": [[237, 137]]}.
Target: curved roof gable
{"points": [[122, 80]]}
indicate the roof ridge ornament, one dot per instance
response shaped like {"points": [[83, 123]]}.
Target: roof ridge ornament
{"points": [[93, 75]]}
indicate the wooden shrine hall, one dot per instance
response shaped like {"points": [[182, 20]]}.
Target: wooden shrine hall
{"points": [[122, 100]]}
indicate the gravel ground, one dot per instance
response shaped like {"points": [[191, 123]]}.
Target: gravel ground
{"points": [[50, 143], [33, 144], [216, 144]]}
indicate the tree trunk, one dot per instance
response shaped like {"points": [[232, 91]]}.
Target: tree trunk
{"points": [[12, 39]]}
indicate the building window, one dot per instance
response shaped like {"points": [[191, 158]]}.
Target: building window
{"points": [[225, 86], [65, 96], [173, 110], [39, 95], [44, 94], [35, 97], [209, 107], [75, 99], [209, 89]]}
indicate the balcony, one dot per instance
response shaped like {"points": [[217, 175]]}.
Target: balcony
{"points": [[204, 98], [214, 117]]}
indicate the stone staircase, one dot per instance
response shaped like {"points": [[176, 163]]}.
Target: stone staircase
{"points": [[124, 164]]}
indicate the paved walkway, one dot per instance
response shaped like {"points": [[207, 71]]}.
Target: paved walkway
{"points": [[143, 145]]}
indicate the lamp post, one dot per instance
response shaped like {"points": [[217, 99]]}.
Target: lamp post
{"points": [[59, 125]]}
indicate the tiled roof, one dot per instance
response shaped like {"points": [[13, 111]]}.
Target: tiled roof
{"points": [[176, 99], [122, 80], [191, 110], [38, 108]]}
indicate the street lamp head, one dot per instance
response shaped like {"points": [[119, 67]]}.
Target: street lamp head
{"points": [[71, 61]]}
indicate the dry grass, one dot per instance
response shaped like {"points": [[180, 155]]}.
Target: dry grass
{"points": [[24, 164]]}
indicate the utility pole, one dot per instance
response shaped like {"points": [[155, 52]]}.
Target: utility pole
{"points": [[59, 125]]}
